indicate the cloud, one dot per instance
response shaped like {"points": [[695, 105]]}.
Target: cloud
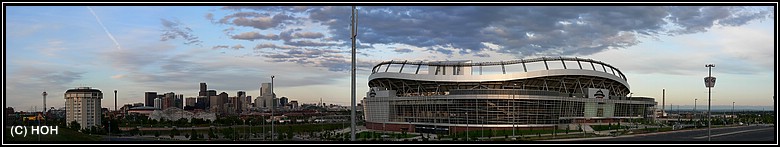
{"points": [[217, 47], [310, 35], [512, 30], [251, 36], [699, 19], [52, 48], [175, 29], [484, 55], [119, 76], [526, 31], [307, 43], [403, 50], [272, 46], [257, 20], [237, 46], [25, 84]]}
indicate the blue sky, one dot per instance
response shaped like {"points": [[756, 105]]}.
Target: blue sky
{"points": [[138, 49]]}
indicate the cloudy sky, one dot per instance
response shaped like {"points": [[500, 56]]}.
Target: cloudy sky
{"points": [[163, 49]]}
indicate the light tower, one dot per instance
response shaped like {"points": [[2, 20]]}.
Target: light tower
{"points": [[272, 107], [709, 82], [44, 102], [114, 99]]}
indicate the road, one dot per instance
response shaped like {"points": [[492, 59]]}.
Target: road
{"points": [[739, 133]]}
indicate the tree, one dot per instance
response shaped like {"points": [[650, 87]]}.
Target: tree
{"points": [[75, 125], [228, 133], [290, 134], [175, 131], [211, 133], [194, 134]]}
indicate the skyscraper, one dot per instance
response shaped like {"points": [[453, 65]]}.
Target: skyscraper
{"points": [[83, 106], [202, 89], [169, 100], [149, 97], [190, 102], [240, 104], [266, 95]]}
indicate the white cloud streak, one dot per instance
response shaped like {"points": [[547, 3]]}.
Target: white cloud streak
{"points": [[104, 28]]}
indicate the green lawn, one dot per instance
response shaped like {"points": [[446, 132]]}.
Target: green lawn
{"points": [[62, 135], [500, 133], [608, 127], [369, 135]]}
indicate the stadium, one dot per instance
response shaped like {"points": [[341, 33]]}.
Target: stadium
{"points": [[538, 93]]}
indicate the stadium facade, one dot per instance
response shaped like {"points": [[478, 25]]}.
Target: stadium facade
{"points": [[538, 93]]}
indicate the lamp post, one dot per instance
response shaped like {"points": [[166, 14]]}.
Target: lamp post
{"points": [[709, 82], [732, 112], [354, 39], [467, 126], [273, 106]]}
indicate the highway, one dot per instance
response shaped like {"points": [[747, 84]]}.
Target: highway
{"points": [[738, 133]]}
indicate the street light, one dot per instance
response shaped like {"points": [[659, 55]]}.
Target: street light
{"points": [[273, 106], [732, 112], [709, 82]]}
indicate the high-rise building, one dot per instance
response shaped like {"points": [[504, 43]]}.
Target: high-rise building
{"points": [[202, 91], [293, 104], [169, 100], [283, 101], [191, 101], [215, 104], [83, 106], [240, 101], [211, 93], [179, 101], [266, 94], [203, 102], [149, 97], [249, 102], [158, 103]]}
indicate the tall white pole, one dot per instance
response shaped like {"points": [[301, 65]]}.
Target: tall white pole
{"points": [[354, 38], [273, 106]]}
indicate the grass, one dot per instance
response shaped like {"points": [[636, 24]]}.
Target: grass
{"points": [[62, 135], [500, 133], [608, 127], [368, 135]]}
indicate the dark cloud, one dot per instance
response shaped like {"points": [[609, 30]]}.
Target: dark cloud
{"points": [[526, 31], [403, 50], [520, 31], [175, 29], [308, 43], [251, 36], [257, 20], [699, 19], [272, 46]]}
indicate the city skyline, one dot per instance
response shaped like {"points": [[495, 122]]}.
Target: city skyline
{"points": [[164, 49]]}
